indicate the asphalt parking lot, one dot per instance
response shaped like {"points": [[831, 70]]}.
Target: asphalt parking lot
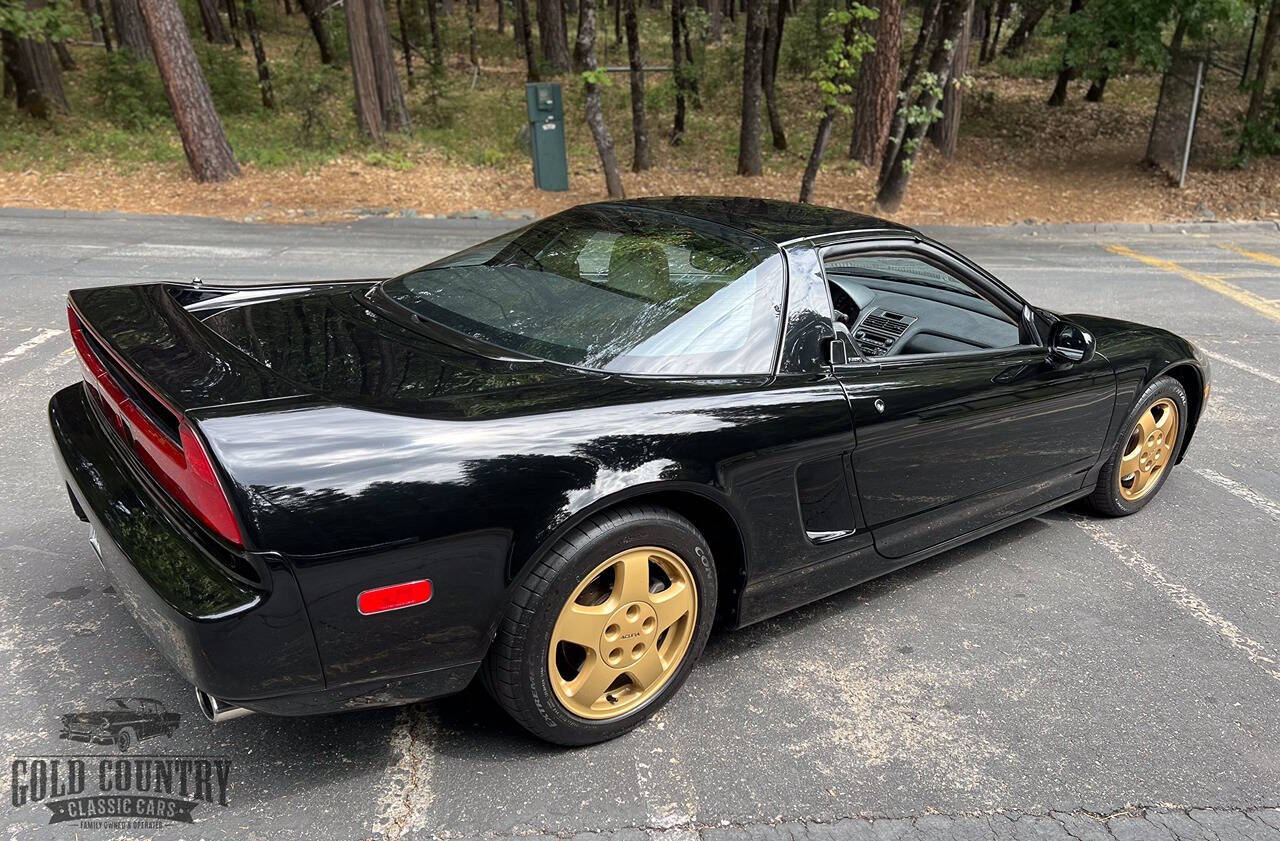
{"points": [[1068, 677]]}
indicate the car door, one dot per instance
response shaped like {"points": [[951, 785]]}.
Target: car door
{"points": [[961, 421]]}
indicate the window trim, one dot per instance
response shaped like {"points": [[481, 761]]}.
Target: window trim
{"points": [[982, 282]]}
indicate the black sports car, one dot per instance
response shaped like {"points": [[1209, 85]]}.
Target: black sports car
{"points": [[556, 458], [124, 723]]}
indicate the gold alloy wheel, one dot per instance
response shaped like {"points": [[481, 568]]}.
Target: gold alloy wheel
{"points": [[1149, 450], [623, 632]]}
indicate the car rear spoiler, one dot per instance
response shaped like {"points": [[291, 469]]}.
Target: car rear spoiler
{"points": [[148, 330]]}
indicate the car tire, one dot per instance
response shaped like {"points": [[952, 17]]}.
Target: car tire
{"points": [[587, 583], [1138, 467], [125, 739]]}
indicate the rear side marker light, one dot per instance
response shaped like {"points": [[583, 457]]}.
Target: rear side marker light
{"points": [[394, 597]]}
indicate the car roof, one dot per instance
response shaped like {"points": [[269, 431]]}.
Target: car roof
{"points": [[778, 222]]}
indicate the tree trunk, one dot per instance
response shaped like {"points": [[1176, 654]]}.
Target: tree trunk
{"points": [[946, 131], [1097, 88], [580, 57], [1066, 72], [214, 31], [690, 68], [586, 45], [203, 139], [526, 35], [750, 160], [877, 87], [928, 21], [473, 43], [502, 16], [1257, 97], [553, 36], [259, 54], [60, 51], [815, 156], [1248, 53], [36, 79], [437, 43], [1031, 17], [639, 132], [776, 17], [97, 22], [1002, 14], [823, 134], [677, 70], [716, 25], [983, 26], [233, 25], [315, 20], [131, 32], [395, 115], [368, 109], [894, 186], [406, 46]]}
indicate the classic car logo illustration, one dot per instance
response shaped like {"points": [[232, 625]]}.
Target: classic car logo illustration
{"points": [[124, 722], [101, 791]]}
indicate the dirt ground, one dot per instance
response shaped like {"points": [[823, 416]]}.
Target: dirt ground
{"points": [[1017, 162]]}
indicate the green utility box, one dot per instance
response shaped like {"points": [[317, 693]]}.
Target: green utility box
{"points": [[546, 136]]}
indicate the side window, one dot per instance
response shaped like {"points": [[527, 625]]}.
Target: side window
{"points": [[899, 304]]}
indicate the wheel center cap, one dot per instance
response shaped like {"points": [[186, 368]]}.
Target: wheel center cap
{"points": [[628, 634]]}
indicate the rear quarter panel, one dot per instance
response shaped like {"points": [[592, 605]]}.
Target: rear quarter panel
{"points": [[355, 498]]}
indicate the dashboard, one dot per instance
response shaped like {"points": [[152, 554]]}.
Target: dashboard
{"points": [[893, 318]]}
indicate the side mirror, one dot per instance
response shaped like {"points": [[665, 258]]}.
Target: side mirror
{"points": [[1070, 344]]}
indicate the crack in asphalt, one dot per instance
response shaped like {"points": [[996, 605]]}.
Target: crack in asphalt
{"points": [[406, 792]]}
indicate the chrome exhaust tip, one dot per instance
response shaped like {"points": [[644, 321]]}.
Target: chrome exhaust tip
{"points": [[218, 711]]}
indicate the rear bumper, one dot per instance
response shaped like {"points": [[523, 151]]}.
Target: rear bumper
{"points": [[229, 638], [252, 646]]}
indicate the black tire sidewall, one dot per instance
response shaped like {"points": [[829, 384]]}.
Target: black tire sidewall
{"points": [[668, 532], [1107, 496]]}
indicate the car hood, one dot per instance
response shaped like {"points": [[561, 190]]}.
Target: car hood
{"points": [[1104, 328], [94, 718]]}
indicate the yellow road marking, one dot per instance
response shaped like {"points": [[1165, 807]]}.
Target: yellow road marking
{"points": [[1209, 281], [1260, 256]]}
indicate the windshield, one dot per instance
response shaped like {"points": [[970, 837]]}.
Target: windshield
{"points": [[613, 288]]}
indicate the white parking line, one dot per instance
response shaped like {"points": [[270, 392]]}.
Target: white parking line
{"points": [[1243, 366], [1244, 492], [175, 250], [1257, 653], [34, 342]]}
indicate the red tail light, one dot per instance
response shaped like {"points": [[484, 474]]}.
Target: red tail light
{"points": [[182, 466]]}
